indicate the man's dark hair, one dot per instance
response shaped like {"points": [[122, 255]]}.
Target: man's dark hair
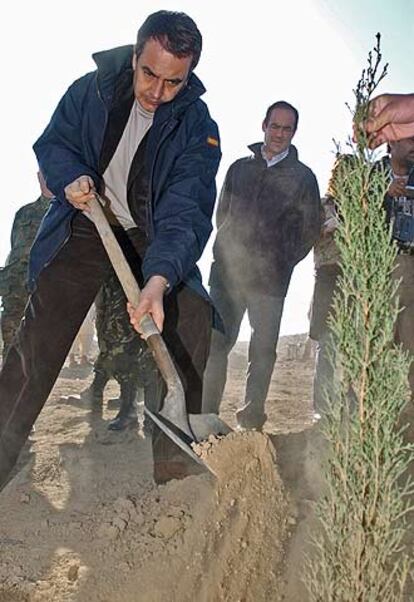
{"points": [[282, 104], [176, 32]]}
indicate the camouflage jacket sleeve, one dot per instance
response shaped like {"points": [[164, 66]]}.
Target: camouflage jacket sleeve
{"points": [[25, 225], [326, 251]]}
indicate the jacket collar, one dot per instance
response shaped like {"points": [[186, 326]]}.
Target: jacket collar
{"points": [[111, 65], [186, 96], [256, 149]]}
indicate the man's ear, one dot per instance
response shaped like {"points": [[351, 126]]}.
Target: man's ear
{"points": [[134, 60], [264, 126]]}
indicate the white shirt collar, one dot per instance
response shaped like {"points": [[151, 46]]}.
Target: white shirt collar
{"points": [[276, 158]]}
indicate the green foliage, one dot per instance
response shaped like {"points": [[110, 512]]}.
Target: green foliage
{"points": [[359, 554]]}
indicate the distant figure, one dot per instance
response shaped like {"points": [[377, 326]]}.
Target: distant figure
{"points": [[293, 351], [82, 345], [13, 277], [268, 220], [308, 351]]}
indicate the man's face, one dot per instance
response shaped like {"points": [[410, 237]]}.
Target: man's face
{"points": [[158, 75], [403, 150], [278, 131]]}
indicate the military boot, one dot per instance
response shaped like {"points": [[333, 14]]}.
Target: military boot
{"points": [[93, 395], [127, 416]]}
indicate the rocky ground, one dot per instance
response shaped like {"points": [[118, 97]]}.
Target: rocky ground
{"points": [[82, 519]]}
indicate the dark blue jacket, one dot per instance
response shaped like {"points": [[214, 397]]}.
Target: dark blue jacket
{"points": [[183, 155]]}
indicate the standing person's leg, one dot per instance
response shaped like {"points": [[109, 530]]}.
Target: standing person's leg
{"points": [[124, 347], [231, 310], [265, 314], [93, 394], [325, 284], [74, 351], [127, 415], [126, 362], [12, 312], [65, 290], [324, 372]]}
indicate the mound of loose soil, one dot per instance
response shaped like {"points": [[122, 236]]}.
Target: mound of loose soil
{"points": [[72, 537], [83, 520]]}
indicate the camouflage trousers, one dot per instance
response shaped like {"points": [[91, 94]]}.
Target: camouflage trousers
{"points": [[13, 307], [123, 355]]}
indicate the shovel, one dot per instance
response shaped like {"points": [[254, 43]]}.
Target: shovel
{"points": [[184, 429]]}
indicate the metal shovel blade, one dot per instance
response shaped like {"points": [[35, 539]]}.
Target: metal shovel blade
{"points": [[202, 426], [175, 434]]}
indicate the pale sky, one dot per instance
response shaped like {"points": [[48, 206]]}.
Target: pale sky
{"points": [[308, 52]]}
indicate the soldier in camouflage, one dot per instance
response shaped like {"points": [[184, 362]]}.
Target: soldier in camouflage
{"points": [[13, 275], [123, 355]]}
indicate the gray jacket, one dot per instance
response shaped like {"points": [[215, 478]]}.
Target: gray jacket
{"points": [[268, 219]]}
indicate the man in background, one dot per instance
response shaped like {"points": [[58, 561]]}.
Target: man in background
{"points": [[268, 219]]}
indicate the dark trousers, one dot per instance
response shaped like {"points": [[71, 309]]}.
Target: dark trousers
{"points": [[326, 278], [404, 328], [325, 286], [65, 290], [264, 313]]}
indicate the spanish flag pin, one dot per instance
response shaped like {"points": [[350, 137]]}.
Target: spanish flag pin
{"points": [[212, 141]]}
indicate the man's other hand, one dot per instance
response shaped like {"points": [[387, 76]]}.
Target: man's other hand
{"points": [[151, 302], [397, 187]]}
